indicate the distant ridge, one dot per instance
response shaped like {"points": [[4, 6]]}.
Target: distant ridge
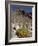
{"points": [[23, 13]]}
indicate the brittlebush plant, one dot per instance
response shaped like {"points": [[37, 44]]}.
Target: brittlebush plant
{"points": [[22, 33]]}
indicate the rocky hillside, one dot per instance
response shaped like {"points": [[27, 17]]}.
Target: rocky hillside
{"points": [[20, 19]]}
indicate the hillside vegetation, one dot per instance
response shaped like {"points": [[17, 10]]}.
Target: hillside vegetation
{"points": [[23, 21]]}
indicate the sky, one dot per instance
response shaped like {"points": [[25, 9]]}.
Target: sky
{"points": [[25, 8]]}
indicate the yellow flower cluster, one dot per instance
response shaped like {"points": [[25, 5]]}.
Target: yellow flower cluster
{"points": [[22, 33]]}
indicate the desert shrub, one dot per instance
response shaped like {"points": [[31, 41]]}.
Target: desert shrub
{"points": [[22, 33]]}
